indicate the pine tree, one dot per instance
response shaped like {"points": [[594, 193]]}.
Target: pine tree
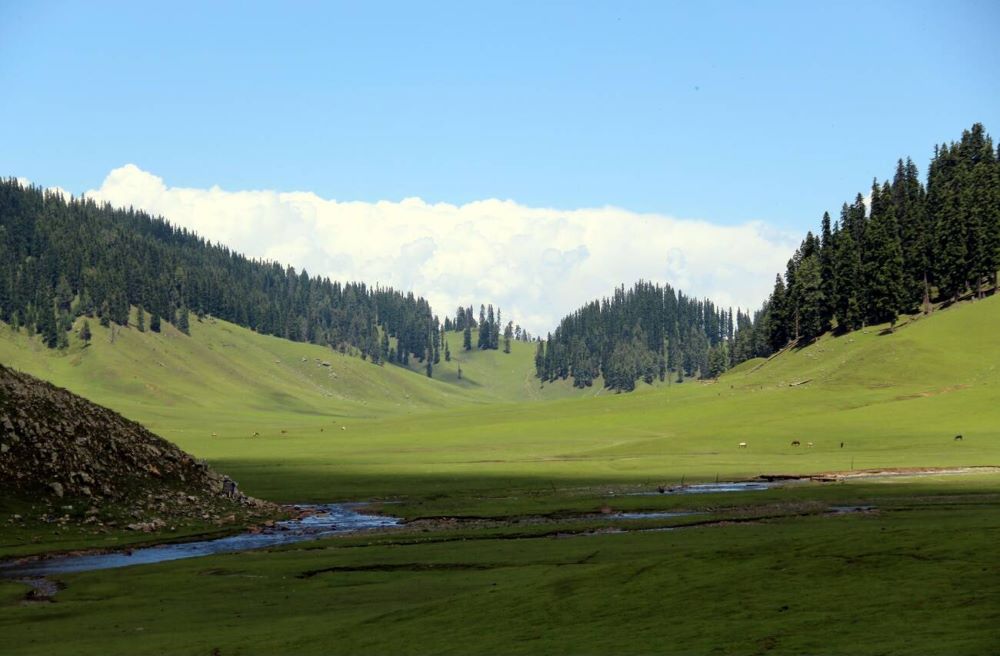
{"points": [[914, 233], [430, 365], [447, 352], [948, 226], [827, 256], [467, 337], [884, 268], [46, 324], [154, 322], [484, 330], [508, 334], [540, 360], [183, 324], [847, 282], [778, 335], [85, 333], [811, 300], [141, 319]]}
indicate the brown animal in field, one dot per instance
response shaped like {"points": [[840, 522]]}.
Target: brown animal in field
{"points": [[255, 434], [796, 443], [958, 438], [283, 432]]}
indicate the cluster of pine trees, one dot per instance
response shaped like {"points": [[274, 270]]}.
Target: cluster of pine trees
{"points": [[63, 259], [489, 328], [644, 333], [908, 246]]}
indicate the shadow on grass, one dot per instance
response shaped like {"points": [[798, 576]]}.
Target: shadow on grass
{"points": [[502, 494]]}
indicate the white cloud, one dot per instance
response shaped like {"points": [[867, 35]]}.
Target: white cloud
{"points": [[537, 264]]}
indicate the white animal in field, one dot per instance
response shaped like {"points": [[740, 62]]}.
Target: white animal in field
{"points": [[343, 428], [743, 445], [809, 443]]}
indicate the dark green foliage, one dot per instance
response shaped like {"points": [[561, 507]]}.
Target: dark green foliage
{"points": [[810, 299], [85, 333], [718, 360], [182, 321], [540, 359], [827, 258], [778, 334], [140, 321], [875, 266], [883, 267], [640, 333], [108, 259], [847, 282]]}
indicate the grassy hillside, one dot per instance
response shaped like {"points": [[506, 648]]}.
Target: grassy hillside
{"points": [[224, 369], [500, 376], [892, 399]]}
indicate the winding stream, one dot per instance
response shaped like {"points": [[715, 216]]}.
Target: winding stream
{"points": [[711, 488], [325, 520]]}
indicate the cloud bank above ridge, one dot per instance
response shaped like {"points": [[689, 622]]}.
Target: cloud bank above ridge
{"points": [[537, 264]]}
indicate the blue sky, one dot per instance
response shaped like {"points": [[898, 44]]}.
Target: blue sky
{"points": [[723, 111], [722, 129]]}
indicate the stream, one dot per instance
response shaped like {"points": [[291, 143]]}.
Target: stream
{"points": [[324, 520]]}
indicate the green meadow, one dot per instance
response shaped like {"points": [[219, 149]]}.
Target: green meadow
{"points": [[530, 468]]}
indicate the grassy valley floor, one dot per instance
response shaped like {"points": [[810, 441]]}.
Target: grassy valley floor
{"points": [[492, 473]]}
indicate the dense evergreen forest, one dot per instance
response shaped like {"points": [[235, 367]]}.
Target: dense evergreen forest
{"points": [[908, 247], [63, 259], [647, 332]]}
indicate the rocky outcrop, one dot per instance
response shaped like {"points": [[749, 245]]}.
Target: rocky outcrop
{"points": [[57, 445]]}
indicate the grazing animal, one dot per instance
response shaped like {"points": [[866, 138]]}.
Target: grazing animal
{"points": [[796, 443], [215, 434], [283, 432], [343, 428], [743, 445], [841, 445], [958, 438], [255, 434], [809, 443], [660, 489]]}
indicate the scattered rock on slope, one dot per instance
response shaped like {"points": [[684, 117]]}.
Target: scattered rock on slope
{"points": [[58, 445]]}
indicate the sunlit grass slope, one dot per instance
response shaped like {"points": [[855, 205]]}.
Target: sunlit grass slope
{"points": [[858, 401], [356, 430], [497, 375]]}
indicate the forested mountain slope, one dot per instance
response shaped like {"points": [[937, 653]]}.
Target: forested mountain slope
{"points": [[63, 259], [907, 248]]}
